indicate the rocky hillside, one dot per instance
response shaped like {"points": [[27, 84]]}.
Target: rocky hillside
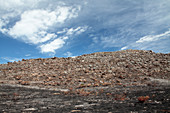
{"points": [[125, 68]]}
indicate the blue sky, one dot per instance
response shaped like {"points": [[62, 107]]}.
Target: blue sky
{"points": [[67, 28]]}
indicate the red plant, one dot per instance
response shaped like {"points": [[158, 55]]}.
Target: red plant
{"points": [[143, 98]]}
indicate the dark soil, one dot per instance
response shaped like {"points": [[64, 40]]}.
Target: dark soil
{"points": [[110, 100]]}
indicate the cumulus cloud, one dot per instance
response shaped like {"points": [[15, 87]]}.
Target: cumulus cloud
{"points": [[32, 23], [53, 45], [59, 42], [48, 37], [33, 26]]}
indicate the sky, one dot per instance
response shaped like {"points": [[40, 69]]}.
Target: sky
{"points": [[67, 28]]}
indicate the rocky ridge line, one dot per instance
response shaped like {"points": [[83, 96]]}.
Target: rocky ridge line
{"points": [[86, 72]]}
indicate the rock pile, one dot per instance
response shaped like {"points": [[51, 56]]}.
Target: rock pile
{"points": [[125, 68]]}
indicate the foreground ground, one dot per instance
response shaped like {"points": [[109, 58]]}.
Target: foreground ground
{"points": [[108, 100]]}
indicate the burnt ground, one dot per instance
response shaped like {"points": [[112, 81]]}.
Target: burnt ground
{"points": [[108, 100]]}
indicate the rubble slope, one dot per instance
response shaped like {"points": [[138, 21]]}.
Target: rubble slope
{"points": [[102, 69]]}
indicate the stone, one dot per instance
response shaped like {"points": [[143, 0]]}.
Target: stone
{"points": [[73, 111], [30, 109]]}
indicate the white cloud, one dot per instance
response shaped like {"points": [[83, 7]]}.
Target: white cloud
{"points": [[73, 31], [66, 13], [63, 31], [119, 24], [81, 30], [111, 41], [53, 45], [151, 38], [48, 37], [68, 54], [76, 31], [123, 48], [10, 9], [27, 55], [59, 42], [35, 22], [3, 23], [10, 59], [113, 23], [9, 4], [157, 43], [95, 39]]}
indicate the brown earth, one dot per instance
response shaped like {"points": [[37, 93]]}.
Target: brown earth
{"points": [[112, 75]]}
